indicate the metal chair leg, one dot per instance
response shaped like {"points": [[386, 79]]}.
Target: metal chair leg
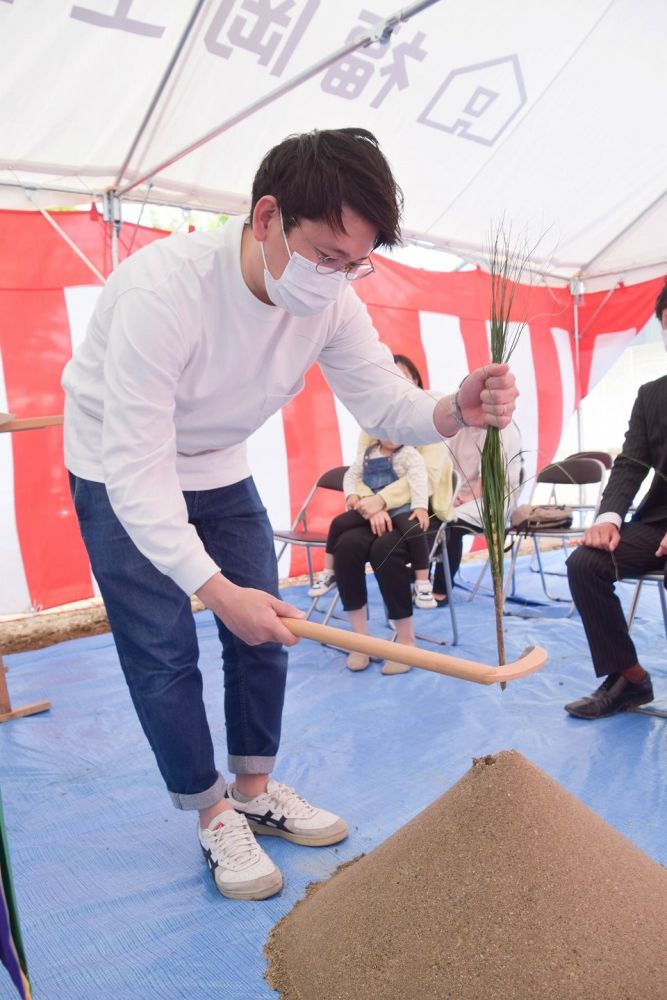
{"points": [[663, 602], [449, 590], [634, 603]]}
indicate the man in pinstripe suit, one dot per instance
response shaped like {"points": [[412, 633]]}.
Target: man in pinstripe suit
{"points": [[612, 549]]}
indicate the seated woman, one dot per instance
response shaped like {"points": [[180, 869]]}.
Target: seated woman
{"points": [[465, 451], [384, 546]]}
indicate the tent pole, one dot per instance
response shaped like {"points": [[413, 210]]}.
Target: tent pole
{"points": [[63, 235], [576, 290], [381, 34], [196, 10], [112, 214], [626, 229]]}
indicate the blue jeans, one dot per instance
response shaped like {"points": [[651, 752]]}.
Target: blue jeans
{"points": [[154, 631]]}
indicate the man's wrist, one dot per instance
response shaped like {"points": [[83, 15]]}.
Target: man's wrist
{"points": [[610, 517], [455, 410]]}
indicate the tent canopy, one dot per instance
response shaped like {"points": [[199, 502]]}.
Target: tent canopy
{"points": [[542, 115]]}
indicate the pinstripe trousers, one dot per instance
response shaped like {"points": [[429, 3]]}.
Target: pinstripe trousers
{"points": [[592, 574]]}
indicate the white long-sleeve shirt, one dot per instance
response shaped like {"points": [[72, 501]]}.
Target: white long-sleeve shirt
{"points": [[405, 462], [181, 363]]}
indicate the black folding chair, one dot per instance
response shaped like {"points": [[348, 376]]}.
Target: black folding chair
{"points": [[564, 479], [299, 534]]}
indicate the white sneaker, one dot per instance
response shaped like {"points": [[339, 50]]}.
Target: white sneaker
{"points": [[239, 866], [280, 812], [424, 594], [326, 582]]}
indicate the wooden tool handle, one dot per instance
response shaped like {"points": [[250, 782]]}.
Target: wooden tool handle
{"points": [[454, 666], [30, 423]]}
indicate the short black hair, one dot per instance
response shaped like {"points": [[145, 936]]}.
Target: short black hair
{"points": [[314, 174], [661, 301], [403, 359]]}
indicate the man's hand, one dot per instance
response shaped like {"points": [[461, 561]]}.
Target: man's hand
{"points": [[662, 548], [352, 501], [380, 523], [250, 614], [368, 506], [602, 536], [420, 515], [486, 398]]}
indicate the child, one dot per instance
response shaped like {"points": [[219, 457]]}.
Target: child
{"points": [[381, 463]]}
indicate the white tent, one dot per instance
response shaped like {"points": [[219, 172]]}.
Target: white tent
{"points": [[548, 116]]}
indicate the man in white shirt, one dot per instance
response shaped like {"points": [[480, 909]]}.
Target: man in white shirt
{"points": [[195, 341]]}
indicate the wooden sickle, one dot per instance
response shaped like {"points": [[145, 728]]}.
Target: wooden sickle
{"points": [[413, 656]]}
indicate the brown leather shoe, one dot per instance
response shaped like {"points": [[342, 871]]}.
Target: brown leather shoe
{"points": [[614, 695]]}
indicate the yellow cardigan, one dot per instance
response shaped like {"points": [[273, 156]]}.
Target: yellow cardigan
{"points": [[439, 469]]}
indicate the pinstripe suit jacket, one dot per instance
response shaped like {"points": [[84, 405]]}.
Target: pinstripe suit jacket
{"points": [[644, 450]]}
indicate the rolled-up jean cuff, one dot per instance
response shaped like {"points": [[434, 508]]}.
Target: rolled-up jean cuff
{"points": [[251, 765], [200, 800]]}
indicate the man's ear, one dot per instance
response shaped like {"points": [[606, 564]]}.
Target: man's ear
{"points": [[266, 209]]}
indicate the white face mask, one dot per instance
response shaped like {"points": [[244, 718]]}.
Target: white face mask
{"points": [[301, 290]]}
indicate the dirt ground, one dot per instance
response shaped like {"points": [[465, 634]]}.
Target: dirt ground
{"points": [[73, 621]]}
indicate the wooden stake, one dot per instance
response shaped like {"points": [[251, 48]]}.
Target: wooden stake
{"points": [[6, 711]]}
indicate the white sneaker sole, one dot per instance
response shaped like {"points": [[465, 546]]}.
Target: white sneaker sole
{"points": [[257, 888], [320, 838], [427, 604]]}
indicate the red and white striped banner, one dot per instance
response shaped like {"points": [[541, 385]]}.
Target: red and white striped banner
{"points": [[440, 320]]}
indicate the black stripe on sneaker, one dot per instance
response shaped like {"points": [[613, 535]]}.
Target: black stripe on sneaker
{"points": [[268, 819]]}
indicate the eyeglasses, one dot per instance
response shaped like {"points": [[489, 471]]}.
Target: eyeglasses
{"points": [[330, 265], [353, 272]]}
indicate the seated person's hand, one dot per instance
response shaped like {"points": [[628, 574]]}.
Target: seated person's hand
{"points": [[368, 506], [662, 548], [352, 502], [420, 515], [601, 536], [380, 522]]}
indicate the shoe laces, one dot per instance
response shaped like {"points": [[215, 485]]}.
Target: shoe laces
{"points": [[235, 841], [288, 800]]}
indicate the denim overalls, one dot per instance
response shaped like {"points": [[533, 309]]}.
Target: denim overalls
{"points": [[379, 472]]}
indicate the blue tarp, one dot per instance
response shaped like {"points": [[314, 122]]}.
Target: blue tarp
{"points": [[115, 900]]}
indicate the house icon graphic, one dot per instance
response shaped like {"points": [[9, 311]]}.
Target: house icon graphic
{"points": [[478, 102]]}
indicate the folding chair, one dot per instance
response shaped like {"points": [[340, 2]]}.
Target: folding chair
{"points": [[480, 531], [580, 510], [601, 456], [437, 554], [640, 581], [299, 534], [561, 477]]}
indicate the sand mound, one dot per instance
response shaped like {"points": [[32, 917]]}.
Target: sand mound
{"points": [[506, 888]]}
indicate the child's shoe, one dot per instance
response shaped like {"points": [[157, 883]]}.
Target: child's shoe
{"points": [[424, 594], [326, 582]]}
